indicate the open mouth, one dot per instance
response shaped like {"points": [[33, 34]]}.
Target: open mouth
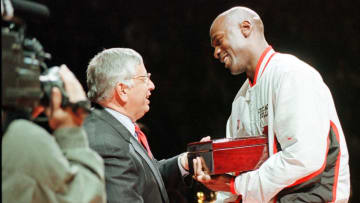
{"points": [[222, 58], [226, 60]]}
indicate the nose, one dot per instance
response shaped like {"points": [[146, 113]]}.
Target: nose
{"points": [[217, 51], [151, 85]]}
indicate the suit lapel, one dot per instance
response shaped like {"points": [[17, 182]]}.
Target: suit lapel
{"points": [[140, 150], [123, 132]]}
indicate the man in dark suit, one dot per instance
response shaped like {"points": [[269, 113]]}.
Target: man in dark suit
{"points": [[120, 86]]}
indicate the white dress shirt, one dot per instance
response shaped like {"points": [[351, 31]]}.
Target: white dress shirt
{"points": [[126, 121]]}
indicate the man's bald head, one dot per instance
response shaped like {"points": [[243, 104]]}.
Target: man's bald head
{"points": [[237, 15]]}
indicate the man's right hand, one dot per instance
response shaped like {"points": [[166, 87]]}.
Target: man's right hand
{"points": [[205, 139], [214, 182], [65, 117]]}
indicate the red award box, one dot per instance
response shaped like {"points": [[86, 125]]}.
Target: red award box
{"points": [[230, 154]]}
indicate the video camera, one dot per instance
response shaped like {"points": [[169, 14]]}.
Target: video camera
{"points": [[26, 80]]}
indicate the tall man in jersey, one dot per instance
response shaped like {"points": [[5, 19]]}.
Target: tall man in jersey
{"points": [[286, 100]]}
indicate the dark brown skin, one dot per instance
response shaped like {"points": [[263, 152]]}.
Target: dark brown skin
{"points": [[237, 36]]}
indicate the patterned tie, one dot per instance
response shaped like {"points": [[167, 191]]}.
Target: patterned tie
{"points": [[142, 139]]}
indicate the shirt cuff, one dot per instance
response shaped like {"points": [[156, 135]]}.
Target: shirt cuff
{"points": [[232, 185], [183, 171]]}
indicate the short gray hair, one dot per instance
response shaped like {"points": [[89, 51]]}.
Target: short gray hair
{"points": [[108, 68]]}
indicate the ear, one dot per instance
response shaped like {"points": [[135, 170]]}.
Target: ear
{"points": [[246, 28], [121, 92]]}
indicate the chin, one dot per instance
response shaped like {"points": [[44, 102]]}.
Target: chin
{"points": [[235, 71], [147, 108]]}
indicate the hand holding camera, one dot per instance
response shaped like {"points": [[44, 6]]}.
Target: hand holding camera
{"points": [[69, 115]]}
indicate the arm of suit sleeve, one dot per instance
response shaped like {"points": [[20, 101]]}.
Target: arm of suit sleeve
{"points": [[301, 124], [46, 169], [176, 184], [170, 172]]}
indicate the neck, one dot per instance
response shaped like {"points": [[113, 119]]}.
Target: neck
{"points": [[256, 52], [118, 108]]}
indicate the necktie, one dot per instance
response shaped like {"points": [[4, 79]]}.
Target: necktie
{"points": [[142, 139]]}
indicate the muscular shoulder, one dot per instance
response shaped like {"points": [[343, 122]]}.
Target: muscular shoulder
{"points": [[289, 64], [289, 67]]}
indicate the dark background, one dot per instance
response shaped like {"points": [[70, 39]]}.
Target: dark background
{"points": [[194, 92]]}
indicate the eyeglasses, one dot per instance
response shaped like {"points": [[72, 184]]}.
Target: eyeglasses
{"points": [[146, 77]]}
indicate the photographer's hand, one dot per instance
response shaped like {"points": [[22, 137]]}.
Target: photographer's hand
{"points": [[72, 86], [65, 117]]}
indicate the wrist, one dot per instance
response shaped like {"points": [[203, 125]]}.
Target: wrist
{"points": [[184, 162], [232, 185]]}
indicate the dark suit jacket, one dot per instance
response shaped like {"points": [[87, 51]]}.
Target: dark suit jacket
{"points": [[130, 175]]}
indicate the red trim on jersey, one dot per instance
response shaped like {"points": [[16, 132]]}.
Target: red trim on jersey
{"points": [[267, 63], [232, 190], [259, 64], [232, 186], [306, 178], [337, 165], [275, 150]]}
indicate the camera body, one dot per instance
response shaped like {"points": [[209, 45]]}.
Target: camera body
{"points": [[26, 80]]}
